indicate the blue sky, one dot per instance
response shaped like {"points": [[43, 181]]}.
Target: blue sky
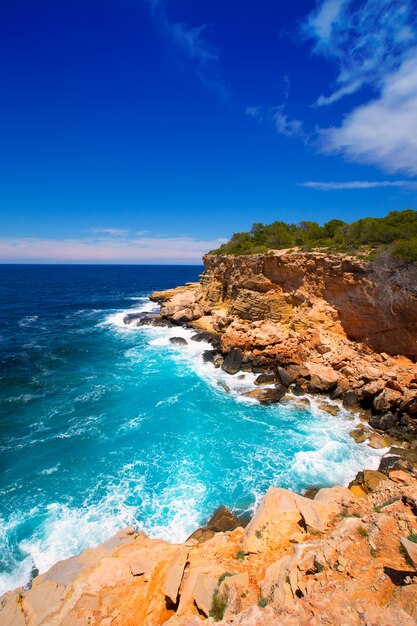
{"points": [[150, 130]]}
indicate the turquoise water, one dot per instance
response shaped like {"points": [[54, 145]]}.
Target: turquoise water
{"points": [[103, 425]]}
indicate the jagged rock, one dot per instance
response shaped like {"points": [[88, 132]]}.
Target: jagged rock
{"points": [[232, 361], [279, 517], [268, 395], [178, 341], [223, 520], [267, 378], [368, 480]]}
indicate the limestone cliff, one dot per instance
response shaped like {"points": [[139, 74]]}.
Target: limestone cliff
{"points": [[300, 288]]}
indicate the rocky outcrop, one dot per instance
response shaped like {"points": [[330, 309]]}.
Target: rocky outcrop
{"points": [[334, 559], [313, 323]]}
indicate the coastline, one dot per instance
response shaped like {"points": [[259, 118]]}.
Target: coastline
{"points": [[369, 490]]}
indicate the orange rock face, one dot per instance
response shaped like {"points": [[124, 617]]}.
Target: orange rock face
{"points": [[336, 559]]}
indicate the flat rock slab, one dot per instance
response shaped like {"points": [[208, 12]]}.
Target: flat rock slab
{"points": [[174, 574]]}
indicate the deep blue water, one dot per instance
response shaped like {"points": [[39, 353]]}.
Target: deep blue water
{"points": [[103, 425]]}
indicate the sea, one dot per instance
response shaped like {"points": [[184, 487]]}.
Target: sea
{"points": [[104, 425]]}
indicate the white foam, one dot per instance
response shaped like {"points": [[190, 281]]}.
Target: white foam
{"points": [[116, 318]]}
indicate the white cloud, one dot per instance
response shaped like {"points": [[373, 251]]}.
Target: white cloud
{"points": [[367, 40], [358, 184], [116, 232], [106, 250], [382, 132]]}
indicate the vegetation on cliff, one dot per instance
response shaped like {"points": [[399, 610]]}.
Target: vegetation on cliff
{"points": [[396, 232]]}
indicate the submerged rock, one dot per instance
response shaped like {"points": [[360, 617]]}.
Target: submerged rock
{"points": [[268, 395]]}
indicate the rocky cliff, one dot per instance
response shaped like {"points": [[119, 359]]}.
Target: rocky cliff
{"points": [[301, 289], [348, 556]]}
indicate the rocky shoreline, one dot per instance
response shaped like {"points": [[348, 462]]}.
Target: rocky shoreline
{"points": [[340, 556], [307, 323]]}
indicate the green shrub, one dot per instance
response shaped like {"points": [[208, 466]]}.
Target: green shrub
{"points": [[218, 607], [240, 555], [412, 537], [263, 603], [397, 232], [362, 532], [224, 576]]}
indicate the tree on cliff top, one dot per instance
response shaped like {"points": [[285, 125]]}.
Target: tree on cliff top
{"points": [[396, 232]]}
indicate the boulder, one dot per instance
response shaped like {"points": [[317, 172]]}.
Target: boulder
{"points": [[359, 435], [178, 341], [209, 356], [267, 378], [382, 422], [323, 379], [233, 361], [268, 395], [208, 337], [387, 400], [183, 316], [286, 377], [231, 591], [351, 401]]}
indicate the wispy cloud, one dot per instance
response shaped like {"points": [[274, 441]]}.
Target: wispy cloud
{"points": [[105, 250], [358, 184], [114, 232], [382, 131], [193, 42], [366, 39], [286, 126], [255, 112]]}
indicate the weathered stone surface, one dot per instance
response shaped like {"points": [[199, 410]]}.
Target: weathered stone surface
{"points": [[204, 588]]}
